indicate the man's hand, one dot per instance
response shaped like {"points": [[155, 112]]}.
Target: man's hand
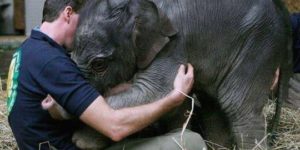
{"points": [[55, 110], [185, 78], [183, 82]]}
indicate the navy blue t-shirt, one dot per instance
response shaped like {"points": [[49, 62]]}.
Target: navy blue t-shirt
{"points": [[295, 20], [40, 67]]}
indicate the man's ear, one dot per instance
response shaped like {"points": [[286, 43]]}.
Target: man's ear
{"points": [[68, 11], [151, 31]]}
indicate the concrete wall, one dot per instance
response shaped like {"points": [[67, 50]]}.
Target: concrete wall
{"points": [[33, 11]]}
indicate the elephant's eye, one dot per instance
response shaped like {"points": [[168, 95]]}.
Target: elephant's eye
{"points": [[98, 66]]}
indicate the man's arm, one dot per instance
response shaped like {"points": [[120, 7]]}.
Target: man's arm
{"points": [[118, 124]]}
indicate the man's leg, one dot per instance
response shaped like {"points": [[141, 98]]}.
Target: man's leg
{"points": [[293, 100], [192, 140]]}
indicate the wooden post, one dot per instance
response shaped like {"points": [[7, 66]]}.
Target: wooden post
{"points": [[19, 15]]}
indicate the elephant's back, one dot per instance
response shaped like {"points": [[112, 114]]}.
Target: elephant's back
{"points": [[213, 16], [214, 33]]}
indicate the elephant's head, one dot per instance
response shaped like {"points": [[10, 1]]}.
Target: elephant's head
{"points": [[117, 37]]}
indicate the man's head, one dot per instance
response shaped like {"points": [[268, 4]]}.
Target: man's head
{"points": [[63, 14], [53, 8]]}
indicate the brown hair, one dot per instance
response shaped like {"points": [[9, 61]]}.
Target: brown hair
{"points": [[52, 8]]}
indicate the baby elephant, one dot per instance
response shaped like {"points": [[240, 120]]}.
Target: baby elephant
{"points": [[235, 47]]}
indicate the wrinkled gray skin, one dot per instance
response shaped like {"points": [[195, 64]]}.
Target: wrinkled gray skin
{"points": [[235, 47], [294, 92]]}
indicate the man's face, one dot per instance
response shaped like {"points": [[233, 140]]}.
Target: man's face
{"points": [[74, 18]]}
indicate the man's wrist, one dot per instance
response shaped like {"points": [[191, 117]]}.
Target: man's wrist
{"points": [[175, 97]]}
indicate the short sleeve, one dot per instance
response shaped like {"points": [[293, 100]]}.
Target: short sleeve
{"points": [[63, 81]]}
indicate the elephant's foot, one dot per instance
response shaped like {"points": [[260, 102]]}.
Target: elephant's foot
{"points": [[90, 139], [251, 134]]}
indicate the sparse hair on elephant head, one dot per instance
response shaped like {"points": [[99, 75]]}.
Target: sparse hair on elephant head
{"points": [[127, 35]]}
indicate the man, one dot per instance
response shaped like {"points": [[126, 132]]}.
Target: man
{"points": [[41, 66]]}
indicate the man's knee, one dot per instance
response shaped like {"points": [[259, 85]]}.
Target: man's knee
{"points": [[193, 136], [192, 140]]}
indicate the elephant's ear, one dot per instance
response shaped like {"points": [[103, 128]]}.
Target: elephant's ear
{"points": [[151, 31]]}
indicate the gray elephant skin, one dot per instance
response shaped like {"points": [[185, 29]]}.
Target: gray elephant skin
{"points": [[235, 47]]}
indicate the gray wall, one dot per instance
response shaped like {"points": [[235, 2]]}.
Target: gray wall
{"points": [[33, 11]]}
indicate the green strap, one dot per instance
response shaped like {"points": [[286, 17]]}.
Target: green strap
{"points": [[12, 80]]}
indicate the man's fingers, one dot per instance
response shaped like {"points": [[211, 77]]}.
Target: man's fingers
{"points": [[46, 104], [190, 70], [181, 69]]}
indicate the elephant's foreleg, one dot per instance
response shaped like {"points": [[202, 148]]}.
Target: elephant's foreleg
{"points": [[250, 133], [150, 85], [243, 105], [147, 86], [213, 123]]}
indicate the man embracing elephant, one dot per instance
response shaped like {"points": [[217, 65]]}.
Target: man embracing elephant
{"points": [[41, 66]]}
